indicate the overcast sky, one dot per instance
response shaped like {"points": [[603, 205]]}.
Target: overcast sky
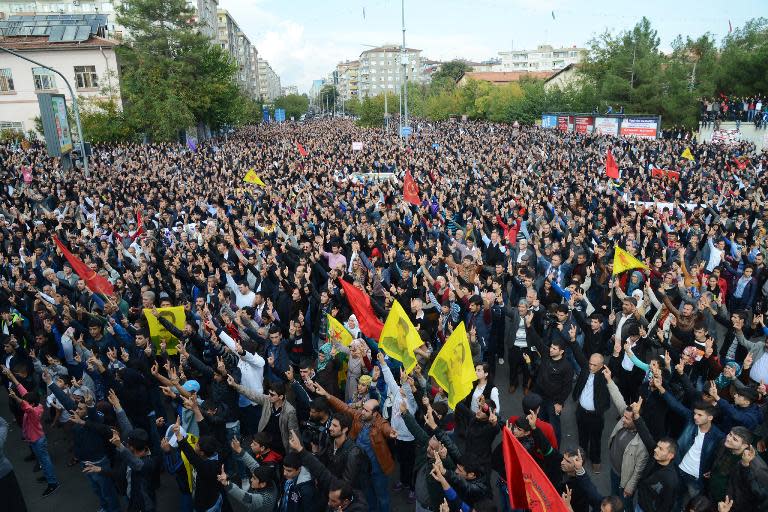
{"points": [[304, 40]]}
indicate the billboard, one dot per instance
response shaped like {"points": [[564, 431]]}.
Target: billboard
{"points": [[62, 123], [584, 124], [279, 115], [548, 121], [642, 128], [565, 123], [606, 126]]}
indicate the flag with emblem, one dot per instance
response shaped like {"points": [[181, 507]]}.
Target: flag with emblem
{"points": [[453, 369], [252, 177], [623, 261], [399, 338], [337, 332], [687, 155], [410, 189]]}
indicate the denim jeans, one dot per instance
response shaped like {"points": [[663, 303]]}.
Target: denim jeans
{"points": [[377, 492], [616, 490], [504, 505], [104, 487], [547, 413], [40, 449]]}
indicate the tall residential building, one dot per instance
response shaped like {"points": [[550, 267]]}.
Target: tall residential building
{"points": [[348, 79], [239, 47], [269, 82], [314, 91], [205, 9], [381, 70], [543, 58]]}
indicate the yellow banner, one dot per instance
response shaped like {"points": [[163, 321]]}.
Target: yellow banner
{"points": [[399, 338], [687, 154], [337, 332], [158, 333], [252, 177], [623, 261], [453, 368]]}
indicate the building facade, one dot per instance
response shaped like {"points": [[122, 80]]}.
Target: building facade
{"points": [[348, 79], [289, 89], [205, 9], [234, 41], [381, 69], [543, 58], [88, 61], [269, 82]]}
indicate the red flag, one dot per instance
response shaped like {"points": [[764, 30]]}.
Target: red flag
{"points": [[361, 306], [139, 226], [661, 173], [410, 189], [611, 169], [301, 149], [528, 486], [93, 281]]}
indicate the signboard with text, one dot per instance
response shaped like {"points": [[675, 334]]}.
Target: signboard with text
{"points": [[606, 126], [584, 124], [548, 121], [641, 128], [53, 114]]}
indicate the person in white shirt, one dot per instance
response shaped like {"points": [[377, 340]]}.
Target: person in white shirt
{"points": [[484, 386], [251, 366]]}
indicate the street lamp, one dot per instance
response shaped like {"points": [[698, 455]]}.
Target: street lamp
{"points": [[74, 104], [404, 59]]}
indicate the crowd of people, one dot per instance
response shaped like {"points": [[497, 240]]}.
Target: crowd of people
{"points": [[258, 408], [747, 109]]}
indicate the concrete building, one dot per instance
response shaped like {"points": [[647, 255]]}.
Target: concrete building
{"points": [[314, 91], [75, 46], [289, 89], [563, 78], [543, 58], [239, 47], [381, 70], [348, 79], [205, 9], [269, 82]]}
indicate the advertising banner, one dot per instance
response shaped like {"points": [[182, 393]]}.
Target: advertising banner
{"points": [[584, 124], [642, 128], [607, 126], [548, 121], [562, 123], [62, 123]]}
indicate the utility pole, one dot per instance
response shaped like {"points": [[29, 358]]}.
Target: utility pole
{"points": [[405, 71], [74, 105]]}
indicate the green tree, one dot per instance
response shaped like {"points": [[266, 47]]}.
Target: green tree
{"points": [[327, 97], [294, 104], [742, 69], [172, 76], [452, 70]]}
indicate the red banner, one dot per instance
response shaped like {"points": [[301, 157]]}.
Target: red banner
{"points": [[410, 189], [584, 124], [663, 173]]}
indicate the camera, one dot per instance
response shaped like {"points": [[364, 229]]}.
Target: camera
{"points": [[313, 433]]}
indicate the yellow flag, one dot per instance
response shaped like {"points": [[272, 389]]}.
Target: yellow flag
{"points": [[399, 338], [337, 332], [252, 177], [622, 261], [453, 368], [158, 333], [687, 154]]}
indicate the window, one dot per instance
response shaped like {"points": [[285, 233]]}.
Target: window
{"points": [[44, 79], [6, 80], [86, 77]]}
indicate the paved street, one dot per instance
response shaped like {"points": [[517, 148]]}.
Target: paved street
{"points": [[75, 494]]}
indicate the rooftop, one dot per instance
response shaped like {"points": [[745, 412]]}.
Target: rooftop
{"points": [[43, 43], [388, 48], [506, 76], [55, 28]]}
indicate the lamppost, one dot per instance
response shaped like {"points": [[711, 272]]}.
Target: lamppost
{"points": [[74, 104], [404, 59]]}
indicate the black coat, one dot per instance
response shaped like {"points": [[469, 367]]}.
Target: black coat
{"points": [[601, 397]]}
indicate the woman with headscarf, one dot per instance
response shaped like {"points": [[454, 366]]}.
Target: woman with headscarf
{"points": [[328, 369]]}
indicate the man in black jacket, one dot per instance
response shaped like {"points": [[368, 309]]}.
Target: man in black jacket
{"points": [[343, 457], [658, 486], [591, 396], [341, 496], [554, 379]]}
